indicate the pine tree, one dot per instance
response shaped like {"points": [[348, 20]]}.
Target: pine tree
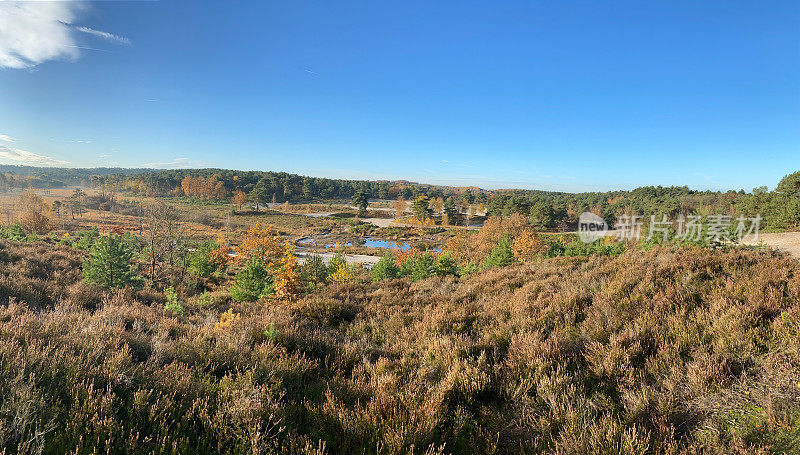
{"points": [[420, 208], [109, 263], [360, 200], [450, 211], [252, 282]]}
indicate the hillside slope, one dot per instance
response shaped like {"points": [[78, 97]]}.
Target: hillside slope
{"points": [[667, 351]]}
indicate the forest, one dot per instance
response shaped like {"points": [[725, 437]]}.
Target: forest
{"points": [[547, 210]]}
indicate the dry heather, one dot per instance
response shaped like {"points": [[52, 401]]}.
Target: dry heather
{"points": [[666, 351]]}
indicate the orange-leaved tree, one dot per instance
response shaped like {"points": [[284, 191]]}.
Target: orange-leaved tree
{"points": [[399, 206], [240, 199], [220, 256], [288, 282], [260, 242], [528, 246]]}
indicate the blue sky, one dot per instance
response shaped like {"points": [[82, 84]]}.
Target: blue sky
{"points": [[563, 95]]}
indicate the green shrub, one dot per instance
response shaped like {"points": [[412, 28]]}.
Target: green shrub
{"points": [[337, 262], [421, 267], [501, 256], [14, 232], [205, 299], [172, 305], [199, 262], [446, 265], [314, 269], [109, 263], [252, 282], [385, 268]]}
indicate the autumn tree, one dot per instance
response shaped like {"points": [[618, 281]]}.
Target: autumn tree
{"points": [[262, 243], [204, 187], [528, 246], [31, 209], [399, 206], [240, 199], [495, 229], [436, 205], [288, 281]]}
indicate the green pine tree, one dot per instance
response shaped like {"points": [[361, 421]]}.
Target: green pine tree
{"points": [[361, 200], [109, 263], [252, 282]]}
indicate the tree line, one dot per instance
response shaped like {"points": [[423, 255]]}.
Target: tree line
{"points": [[547, 210]]}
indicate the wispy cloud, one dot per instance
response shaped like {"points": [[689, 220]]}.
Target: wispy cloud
{"points": [[24, 157], [178, 163], [36, 32], [105, 35], [6, 138]]}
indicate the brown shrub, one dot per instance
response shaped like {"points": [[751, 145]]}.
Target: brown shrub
{"points": [[666, 351]]}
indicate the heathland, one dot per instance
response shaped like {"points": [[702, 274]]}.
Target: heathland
{"points": [[213, 311]]}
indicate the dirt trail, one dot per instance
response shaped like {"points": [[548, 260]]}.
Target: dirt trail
{"points": [[782, 241]]}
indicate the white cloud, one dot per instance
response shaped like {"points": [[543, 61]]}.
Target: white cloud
{"points": [[6, 138], [23, 157], [35, 32], [105, 35], [178, 163]]}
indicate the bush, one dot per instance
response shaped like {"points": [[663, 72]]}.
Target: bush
{"points": [[109, 263], [446, 265], [419, 268], [385, 268], [252, 282], [14, 232], [172, 304], [314, 269], [200, 262], [336, 263], [501, 256]]}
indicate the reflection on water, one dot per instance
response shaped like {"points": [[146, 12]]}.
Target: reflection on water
{"points": [[369, 242], [380, 243]]}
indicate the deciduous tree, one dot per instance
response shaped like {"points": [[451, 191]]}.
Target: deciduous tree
{"points": [[31, 209], [240, 199], [400, 206]]}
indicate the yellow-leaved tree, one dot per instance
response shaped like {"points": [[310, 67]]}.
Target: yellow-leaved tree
{"points": [[288, 282], [262, 243], [528, 246]]}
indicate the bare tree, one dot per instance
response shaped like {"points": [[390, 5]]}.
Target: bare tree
{"points": [[164, 237]]}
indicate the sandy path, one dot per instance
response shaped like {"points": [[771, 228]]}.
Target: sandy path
{"points": [[367, 260], [781, 241]]}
